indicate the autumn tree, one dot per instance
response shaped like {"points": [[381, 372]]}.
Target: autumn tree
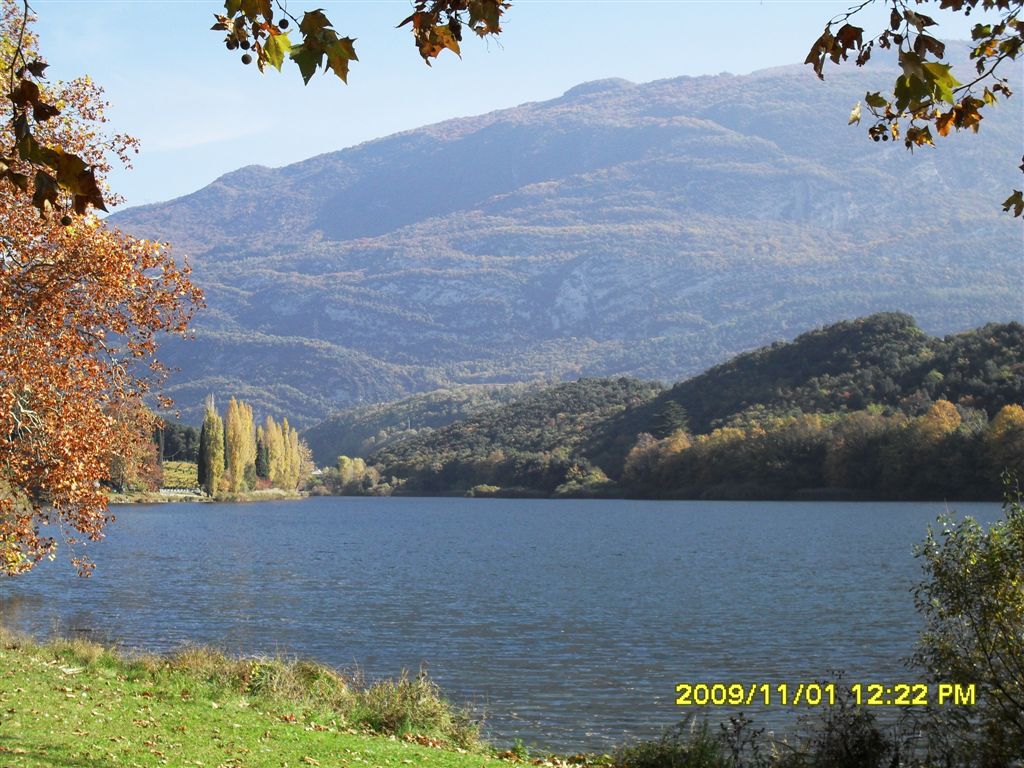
{"points": [[81, 308], [1005, 439], [240, 451], [135, 465], [928, 94]]}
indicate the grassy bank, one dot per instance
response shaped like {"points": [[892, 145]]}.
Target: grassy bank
{"points": [[77, 704], [159, 497]]}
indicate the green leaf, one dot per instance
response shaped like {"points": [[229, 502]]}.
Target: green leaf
{"points": [[307, 61], [876, 100], [276, 48], [941, 78], [232, 6], [909, 92]]}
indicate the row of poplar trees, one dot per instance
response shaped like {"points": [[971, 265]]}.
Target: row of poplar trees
{"points": [[235, 454]]}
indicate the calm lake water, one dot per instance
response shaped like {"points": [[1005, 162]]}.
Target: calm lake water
{"points": [[568, 622]]}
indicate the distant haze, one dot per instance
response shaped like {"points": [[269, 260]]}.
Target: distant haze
{"points": [[650, 230]]}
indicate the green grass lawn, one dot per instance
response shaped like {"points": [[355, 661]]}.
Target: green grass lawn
{"points": [[76, 705]]}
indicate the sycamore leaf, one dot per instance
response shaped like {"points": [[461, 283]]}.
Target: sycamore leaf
{"points": [[941, 78], [256, 8], [910, 92], [446, 37], [928, 44], [854, 115], [339, 54], [276, 48], [876, 100], [307, 61], [37, 67], [849, 37], [944, 122], [918, 20], [819, 51], [966, 113], [25, 93], [917, 137], [45, 195], [43, 112], [910, 62], [313, 22], [1015, 201], [88, 192], [485, 16]]}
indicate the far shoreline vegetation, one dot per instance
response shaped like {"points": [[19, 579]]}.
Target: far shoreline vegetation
{"points": [[870, 409]]}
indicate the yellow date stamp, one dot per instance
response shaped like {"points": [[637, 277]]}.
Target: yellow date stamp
{"points": [[824, 694]]}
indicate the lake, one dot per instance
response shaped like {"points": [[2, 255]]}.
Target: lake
{"points": [[568, 622]]}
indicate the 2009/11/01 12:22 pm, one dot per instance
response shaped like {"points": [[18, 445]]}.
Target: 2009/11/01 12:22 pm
{"points": [[815, 694]]}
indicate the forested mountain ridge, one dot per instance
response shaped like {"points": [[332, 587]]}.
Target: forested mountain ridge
{"points": [[364, 429], [877, 376], [530, 443], [883, 359], [648, 229]]}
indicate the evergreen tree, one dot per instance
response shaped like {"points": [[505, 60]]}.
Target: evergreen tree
{"points": [[262, 454], [201, 455], [211, 450]]}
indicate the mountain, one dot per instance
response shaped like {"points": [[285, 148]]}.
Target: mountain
{"points": [[649, 230]]}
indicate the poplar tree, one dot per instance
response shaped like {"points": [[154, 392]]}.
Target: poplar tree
{"points": [[241, 445], [211, 450], [275, 452]]}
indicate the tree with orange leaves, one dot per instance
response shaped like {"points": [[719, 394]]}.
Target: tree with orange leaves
{"points": [[81, 307]]}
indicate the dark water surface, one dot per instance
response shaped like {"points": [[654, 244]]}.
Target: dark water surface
{"points": [[569, 622]]}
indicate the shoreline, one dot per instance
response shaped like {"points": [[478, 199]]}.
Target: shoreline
{"points": [[158, 497]]}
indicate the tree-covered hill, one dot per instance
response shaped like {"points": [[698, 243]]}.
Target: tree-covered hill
{"points": [[530, 443], [362, 430], [915, 414], [883, 360]]}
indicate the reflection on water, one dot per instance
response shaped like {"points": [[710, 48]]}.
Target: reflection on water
{"points": [[570, 622]]}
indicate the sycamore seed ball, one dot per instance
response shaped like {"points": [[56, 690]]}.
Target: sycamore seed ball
{"points": [[246, 59]]}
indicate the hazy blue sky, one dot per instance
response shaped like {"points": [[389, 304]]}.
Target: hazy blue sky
{"points": [[200, 113]]}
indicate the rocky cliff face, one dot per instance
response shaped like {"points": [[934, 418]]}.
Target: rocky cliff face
{"points": [[650, 230]]}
